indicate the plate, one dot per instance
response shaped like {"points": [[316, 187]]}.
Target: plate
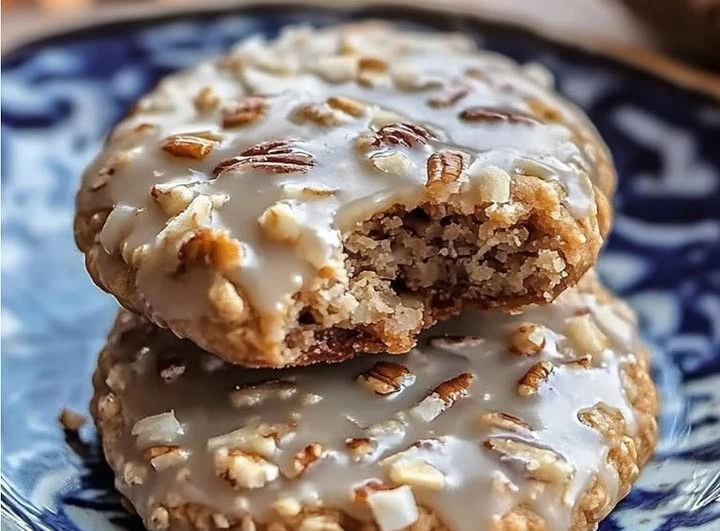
{"points": [[59, 97]]}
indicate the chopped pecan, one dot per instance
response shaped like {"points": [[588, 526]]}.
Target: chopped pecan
{"points": [[360, 446], [361, 493], [206, 100], [250, 395], [528, 339], [243, 470], [483, 114], [443, 397], [443, 168], [191, 145], [402, 134], [304, 458], [164, 456], [416, 473], [540, 464], [449, 96], [503, 421], [279, 223], [386, 378], [276, 156], [347, 105], [538, 374], [317, 113], [244, 111], [373, 63], [210, 247], [585, 335]]}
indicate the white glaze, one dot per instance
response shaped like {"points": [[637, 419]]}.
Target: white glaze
{"points": [[270, 273], [200, 399]]}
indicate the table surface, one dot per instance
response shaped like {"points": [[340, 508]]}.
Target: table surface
{"points": [[605, 19]]}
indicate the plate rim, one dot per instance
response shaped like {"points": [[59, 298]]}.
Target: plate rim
{"points": [[641, 60]]}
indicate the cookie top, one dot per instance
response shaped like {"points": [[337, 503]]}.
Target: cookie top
{"points": [[491, 418], [255, 167]]}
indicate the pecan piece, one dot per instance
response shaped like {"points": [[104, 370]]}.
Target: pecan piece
{"points": [[443, 169], [528, 339], [449, 96], [210, 247], [483, 114], [540, 464], [304, 458], [192, 145], [443, 397], [276, 156], [538, 374], [402, 134], [244, 112], [347, 105], [206, 100], [504, 421], [360, 447], [386, 378]]}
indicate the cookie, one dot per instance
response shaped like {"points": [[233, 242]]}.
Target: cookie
{"points": [[536, 421], [339, 190]]}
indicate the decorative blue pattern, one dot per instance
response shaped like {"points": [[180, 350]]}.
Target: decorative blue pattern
{"points": [[60, 96]]}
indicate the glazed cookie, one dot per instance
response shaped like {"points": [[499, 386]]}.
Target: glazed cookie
{"points": [[538, 421], [337, 191]]}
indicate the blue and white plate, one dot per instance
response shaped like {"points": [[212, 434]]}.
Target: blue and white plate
{"points": [[60, 95]]}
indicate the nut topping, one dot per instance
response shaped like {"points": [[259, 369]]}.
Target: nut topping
{"points": [[503, 421], [416, 473], [539, 463], [192, 145], [482, 114], [443, 397], [386, 378], [528, 339], [279, 223], [490, 184], [360, 447], [206, 100], [347, 105], [210, 247], [393, 509], [244, 112], [255, 394], [449, 96], [585, 336], [243, 470], [275, 156], [163, 457], [537, 375], [443, 170], [401, 134], [304, 458]]}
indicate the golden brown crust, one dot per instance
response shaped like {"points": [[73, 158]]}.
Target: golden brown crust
{"points": [[628, 450]]}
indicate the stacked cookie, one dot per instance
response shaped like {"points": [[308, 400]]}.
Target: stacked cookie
{"points": [[429, 210]]}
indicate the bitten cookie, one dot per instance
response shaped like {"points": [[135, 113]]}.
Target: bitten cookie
{"points": [[538, 421], [337, 191]]}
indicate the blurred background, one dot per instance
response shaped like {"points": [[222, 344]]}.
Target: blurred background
{"points": [[688, 29]]}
